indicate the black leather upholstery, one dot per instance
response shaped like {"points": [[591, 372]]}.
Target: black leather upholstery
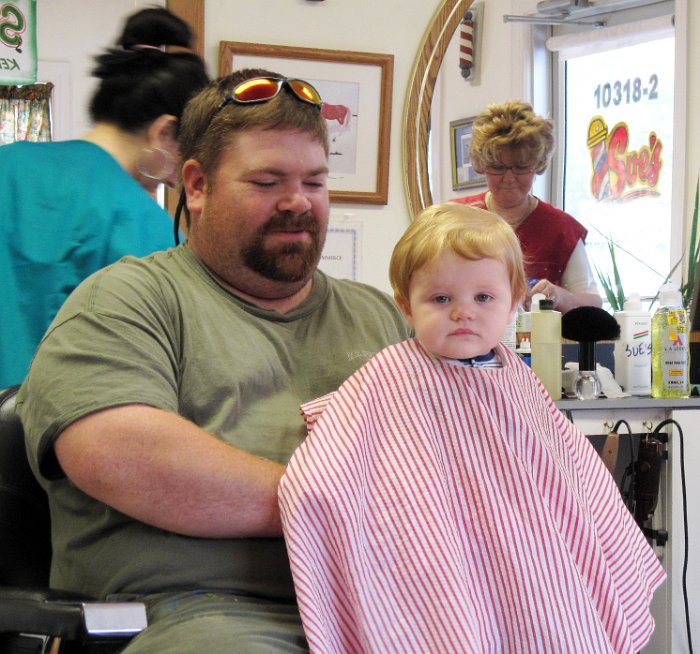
{"points": [[27, 604], [25, 538]]}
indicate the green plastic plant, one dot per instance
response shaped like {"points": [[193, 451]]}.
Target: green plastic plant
{"points": [[688, 285], [614, 292], [613, 288]]}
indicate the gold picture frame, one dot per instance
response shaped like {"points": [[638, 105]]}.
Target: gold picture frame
{"points": [[463, 173]]}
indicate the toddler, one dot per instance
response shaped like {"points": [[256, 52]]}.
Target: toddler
{"points": [[441, 502]]}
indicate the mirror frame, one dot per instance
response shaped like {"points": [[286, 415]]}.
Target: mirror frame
{"points": [[416, 124]]}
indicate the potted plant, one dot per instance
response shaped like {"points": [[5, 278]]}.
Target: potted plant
{"points": [[613, 288]]}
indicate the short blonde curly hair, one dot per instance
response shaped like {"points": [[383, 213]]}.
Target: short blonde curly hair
{"points": [[468, 231], [515, 127]]}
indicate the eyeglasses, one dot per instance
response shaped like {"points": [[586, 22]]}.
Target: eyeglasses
{"points": [[263, 89], [501, 170], [252, 91]]}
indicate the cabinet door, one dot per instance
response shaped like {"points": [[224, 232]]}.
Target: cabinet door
{"points": [[596, 424]]}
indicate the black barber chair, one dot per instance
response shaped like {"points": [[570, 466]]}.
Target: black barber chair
{"points": [[33, 617]]}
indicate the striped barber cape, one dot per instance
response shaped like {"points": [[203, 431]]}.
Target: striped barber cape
{"points": [[436, 508]]}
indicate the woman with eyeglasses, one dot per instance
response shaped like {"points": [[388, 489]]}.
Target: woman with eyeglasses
{"points": [[72, 207], [510, 145]]}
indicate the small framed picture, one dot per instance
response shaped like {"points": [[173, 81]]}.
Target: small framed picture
{"points": [[463, 173]]}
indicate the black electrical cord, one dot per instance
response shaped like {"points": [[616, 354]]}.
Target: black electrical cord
{"points": [[627, 494], [659, 427], [621, 422]]}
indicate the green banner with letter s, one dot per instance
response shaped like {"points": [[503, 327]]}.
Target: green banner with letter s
{"points": [[18, 42]]}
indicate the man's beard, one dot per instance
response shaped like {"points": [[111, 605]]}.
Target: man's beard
{"points": [[288, 262]]}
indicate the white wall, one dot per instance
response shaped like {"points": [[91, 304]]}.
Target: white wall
{"points": [[74, 30]]}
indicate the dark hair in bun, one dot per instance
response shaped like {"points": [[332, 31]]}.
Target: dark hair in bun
{"points": [[141, 79], [155, 26]]}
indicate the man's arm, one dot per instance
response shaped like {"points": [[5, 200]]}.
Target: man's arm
{"points": [[165, 471]]}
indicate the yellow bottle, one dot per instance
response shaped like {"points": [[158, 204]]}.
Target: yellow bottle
{"points": [[670, 350]]}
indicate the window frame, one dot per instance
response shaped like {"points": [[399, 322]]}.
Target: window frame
{"points": [[555, 78]]}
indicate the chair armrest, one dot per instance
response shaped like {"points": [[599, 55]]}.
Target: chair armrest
{"points": [[114, 619], [68, 615]]}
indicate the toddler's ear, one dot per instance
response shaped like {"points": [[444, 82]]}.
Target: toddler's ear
{"points": [[405, 309]]}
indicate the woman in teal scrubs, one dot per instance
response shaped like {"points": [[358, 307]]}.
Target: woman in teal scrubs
{"points": [[70, 208]]}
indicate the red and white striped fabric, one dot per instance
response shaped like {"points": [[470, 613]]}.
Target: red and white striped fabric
{"points": [[442, 508]]}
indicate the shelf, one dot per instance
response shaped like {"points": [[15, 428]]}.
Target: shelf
{"points": [[627, 403]]}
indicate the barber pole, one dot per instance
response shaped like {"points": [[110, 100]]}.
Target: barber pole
{"points": [[466, 44]]}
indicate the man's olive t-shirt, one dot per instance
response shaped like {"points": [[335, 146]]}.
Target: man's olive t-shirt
{"points": [[160, 331]]}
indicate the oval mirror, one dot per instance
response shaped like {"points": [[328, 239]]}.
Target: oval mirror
{"points": [[420, 94]]}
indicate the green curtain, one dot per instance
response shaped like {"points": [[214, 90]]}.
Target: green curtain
{"points": [[25, 113]]}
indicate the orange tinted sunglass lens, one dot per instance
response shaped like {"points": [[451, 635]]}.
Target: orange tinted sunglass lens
{"points": [[305, 91], [258, 89]]}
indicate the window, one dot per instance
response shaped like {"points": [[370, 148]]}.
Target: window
{"points": [[25, 113], [616, 139]]}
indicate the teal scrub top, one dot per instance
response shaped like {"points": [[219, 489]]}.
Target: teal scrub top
{"points": [[68, 209]]}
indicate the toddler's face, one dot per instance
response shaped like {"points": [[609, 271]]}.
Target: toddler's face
{"points": [[460, 308]]}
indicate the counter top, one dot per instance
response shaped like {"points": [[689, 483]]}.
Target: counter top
{"points": [[633, 402]]}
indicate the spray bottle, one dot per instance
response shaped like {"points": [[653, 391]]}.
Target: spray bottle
{"points": [[670, 350], [633, 349]]}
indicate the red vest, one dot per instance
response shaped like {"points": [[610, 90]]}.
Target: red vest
{"points": [[547, 237]]}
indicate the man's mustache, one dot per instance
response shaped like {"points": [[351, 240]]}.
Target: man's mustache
{"points": [[290, 222]]}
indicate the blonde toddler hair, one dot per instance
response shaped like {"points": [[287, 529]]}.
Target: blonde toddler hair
{"points": [[468, 231]]}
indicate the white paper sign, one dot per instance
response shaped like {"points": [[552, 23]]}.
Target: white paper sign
{"points": [[18, 42], [341, 256]]}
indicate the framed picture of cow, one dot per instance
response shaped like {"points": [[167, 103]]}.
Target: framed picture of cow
{"points": [[356, 89]]}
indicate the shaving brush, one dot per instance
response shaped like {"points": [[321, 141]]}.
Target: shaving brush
{"points": [[587, 326]]}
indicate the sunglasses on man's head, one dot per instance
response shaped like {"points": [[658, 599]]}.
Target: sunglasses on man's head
{"points": [[264, 89]]}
